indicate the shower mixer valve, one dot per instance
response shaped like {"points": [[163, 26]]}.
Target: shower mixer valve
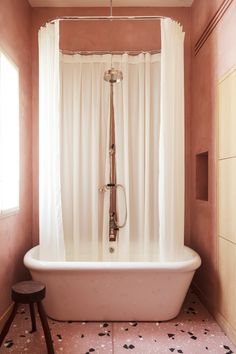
{"points": [[114, 224]]}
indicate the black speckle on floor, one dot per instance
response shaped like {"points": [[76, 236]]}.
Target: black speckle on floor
{"points": [[193, 337], [170, 335], [101, 334], [91, 350], [8, 343], [82, 335], [134, 324], [171, 349], [59, 337], [131, 346]]}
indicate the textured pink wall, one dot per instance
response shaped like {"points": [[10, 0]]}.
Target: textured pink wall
{"points": [[110, 36], [16, 230], [217, 55]]}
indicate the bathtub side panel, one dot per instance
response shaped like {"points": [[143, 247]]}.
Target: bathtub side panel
{"points": [[122, 295]]}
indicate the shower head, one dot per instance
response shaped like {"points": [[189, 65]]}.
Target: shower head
{"points": [[113, 75]]}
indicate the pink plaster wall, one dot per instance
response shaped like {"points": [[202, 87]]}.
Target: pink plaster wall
{"points": [[16, 230], [110, 36], [217, 55]]}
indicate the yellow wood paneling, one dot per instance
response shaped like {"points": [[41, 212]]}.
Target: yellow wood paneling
{"points": [[227, 274], [227, 116], [227, 199]]}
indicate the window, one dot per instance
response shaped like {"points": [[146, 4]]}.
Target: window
{"points": [[9, 136]]}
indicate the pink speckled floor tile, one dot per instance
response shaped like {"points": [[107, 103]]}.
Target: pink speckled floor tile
{"points": [[194, 331], [68, 337]]}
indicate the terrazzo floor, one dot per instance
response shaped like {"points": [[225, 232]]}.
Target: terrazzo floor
{"points": [[194, 331]]}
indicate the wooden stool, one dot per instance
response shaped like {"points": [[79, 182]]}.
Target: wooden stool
{"points": [[29, 292]]}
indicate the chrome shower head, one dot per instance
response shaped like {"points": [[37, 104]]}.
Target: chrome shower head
{"points": [[113, 75]]}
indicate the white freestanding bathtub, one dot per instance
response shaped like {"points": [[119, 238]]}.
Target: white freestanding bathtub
{"points": [[113, 291]]}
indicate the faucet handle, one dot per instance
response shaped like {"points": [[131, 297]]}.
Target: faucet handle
{"points": [[103, 188]]}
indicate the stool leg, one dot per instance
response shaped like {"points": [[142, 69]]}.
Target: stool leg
{"points": [[46, 329], [8, 323], [32, 315]]}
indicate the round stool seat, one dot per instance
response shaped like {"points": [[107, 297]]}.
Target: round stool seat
{"points": [[26, 292]]}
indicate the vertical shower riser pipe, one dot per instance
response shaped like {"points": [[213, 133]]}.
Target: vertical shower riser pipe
{"points": [[113, 229]]}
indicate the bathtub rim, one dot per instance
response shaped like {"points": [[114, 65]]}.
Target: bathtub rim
{"points": [[33, 263]]}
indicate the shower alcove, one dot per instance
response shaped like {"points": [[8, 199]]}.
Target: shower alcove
{"points": [[145, 271]]}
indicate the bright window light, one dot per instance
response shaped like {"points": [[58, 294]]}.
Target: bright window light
{"points": [[9, 136]]}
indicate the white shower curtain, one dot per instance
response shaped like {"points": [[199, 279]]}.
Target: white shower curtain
{"points": [[85, 160], [171, 179], [137, 115], [150, 92], [51, 237], [85, 112]]}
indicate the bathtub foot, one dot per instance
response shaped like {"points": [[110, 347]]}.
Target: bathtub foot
{"points": [[46, 329]]}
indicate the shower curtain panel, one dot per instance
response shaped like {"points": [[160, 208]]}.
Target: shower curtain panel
{"points": [[149, 114], [171, 178], [84, 137], [137, 115], [51, 236], [85, 153]]}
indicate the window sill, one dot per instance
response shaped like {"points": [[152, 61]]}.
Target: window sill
{"points": [[9, 212]]}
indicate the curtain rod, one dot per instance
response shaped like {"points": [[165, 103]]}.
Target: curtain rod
{"points": [[101, 52], [105, 18]]}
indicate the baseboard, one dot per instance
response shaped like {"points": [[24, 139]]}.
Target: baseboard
{"points": [[220, 319], [5, 316]]}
